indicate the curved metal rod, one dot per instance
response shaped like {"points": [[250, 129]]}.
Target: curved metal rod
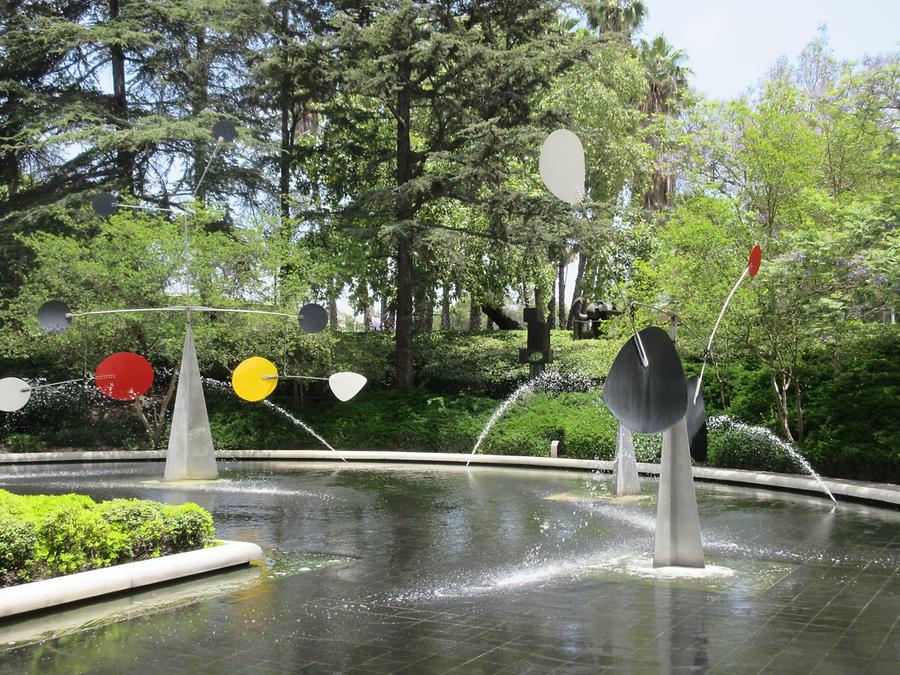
{"points": [[30, 387], [241, 311], [179, 308], [292, 377], [52, 384], [119, 205], [206, 168], [715, 328], [668, 312]]}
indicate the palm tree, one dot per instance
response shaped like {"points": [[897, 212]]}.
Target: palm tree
{"points": [[666, 75], [666, 81], [615, 16]]}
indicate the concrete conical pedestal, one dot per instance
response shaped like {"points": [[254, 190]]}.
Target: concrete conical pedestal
{"points": [[190, 454], [678, 540], [625, 474]]}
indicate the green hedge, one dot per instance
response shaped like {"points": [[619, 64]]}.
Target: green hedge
{"points": [[43, 536]]}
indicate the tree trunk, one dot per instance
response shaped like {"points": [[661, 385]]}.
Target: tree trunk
{"points": [[527, 297], [798, 406], [781, 403], [474, 314], [424, 309], [551, 308], [368, 315], [124, 156], [405, 375], [387, 314], [334, 290], [576, 290], [199, 102], [445, 307], [287, 135], [561, 308]]}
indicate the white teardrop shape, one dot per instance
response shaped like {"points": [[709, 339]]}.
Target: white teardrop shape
{"points": [[346, 385], [14, 393], [562, 166]]}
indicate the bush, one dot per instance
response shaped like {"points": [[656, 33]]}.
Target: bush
{"points": [[185, 528], [18, 542], [44, 536], [142, 522], [25, 443]]}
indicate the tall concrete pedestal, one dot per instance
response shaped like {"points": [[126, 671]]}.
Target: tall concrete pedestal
{"points": [[625, 474], [190, 454], [678, 540]]}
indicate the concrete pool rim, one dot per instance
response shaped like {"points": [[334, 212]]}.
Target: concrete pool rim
{"points": [[67, 589], [879, 494]]}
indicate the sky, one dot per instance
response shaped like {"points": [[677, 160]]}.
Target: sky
{"points": [[732, 44]]}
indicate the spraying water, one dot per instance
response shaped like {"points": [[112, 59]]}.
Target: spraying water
{"points": [[550, 381], [301, 424], [222, 386], [725, 422], [523, 390]]}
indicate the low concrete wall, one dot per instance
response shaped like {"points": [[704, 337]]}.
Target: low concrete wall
{"points": [[880, 493], [47, 593]]}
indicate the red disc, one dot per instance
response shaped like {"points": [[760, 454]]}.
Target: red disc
{"points": [[124, 376], [755, 260]]}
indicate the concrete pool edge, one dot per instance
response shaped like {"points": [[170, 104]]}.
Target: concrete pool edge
{"points": [[64, 590], [885, 494]]}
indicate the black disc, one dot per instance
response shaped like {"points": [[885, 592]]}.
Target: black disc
{"points": [[54, 316], [225, 130], [647, 400], [313, 318], [104, 204], [695, 417]]}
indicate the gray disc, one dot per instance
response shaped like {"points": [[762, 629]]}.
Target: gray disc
{"points": [[696, 421], [53, 316], [313, 318], [14, 393], [647, 400], [225, 130], [104, 204]]}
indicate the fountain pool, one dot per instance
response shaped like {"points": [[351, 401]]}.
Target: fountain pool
{"points": [[425, 568]]}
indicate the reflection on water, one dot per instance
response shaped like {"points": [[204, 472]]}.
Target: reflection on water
{"points": [[395, 565]]}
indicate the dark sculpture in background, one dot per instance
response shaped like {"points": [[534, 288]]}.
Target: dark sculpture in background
{"points": [[588, 318], [538, 352]]}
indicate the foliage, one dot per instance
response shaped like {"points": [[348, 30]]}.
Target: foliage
{"points": [[45, 536]]}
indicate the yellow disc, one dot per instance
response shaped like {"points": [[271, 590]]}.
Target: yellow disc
{"points": [[250, 379]]}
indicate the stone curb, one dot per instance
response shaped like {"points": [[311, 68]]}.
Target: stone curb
{"points": [[48, 593], [880, 493]]}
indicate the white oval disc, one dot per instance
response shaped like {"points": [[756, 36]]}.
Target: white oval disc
{"points": [[562, 166], [14, 393]]}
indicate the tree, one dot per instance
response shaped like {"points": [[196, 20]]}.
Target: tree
{"points": [[666, 81], [456, 84], [621, 17]]}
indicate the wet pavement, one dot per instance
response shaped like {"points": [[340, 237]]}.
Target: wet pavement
{"points": [[427, 569]]}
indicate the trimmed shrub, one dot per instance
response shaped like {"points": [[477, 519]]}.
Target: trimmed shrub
{"points": [[185, 528], [44, 536], [142, 522], [18, 543]]}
